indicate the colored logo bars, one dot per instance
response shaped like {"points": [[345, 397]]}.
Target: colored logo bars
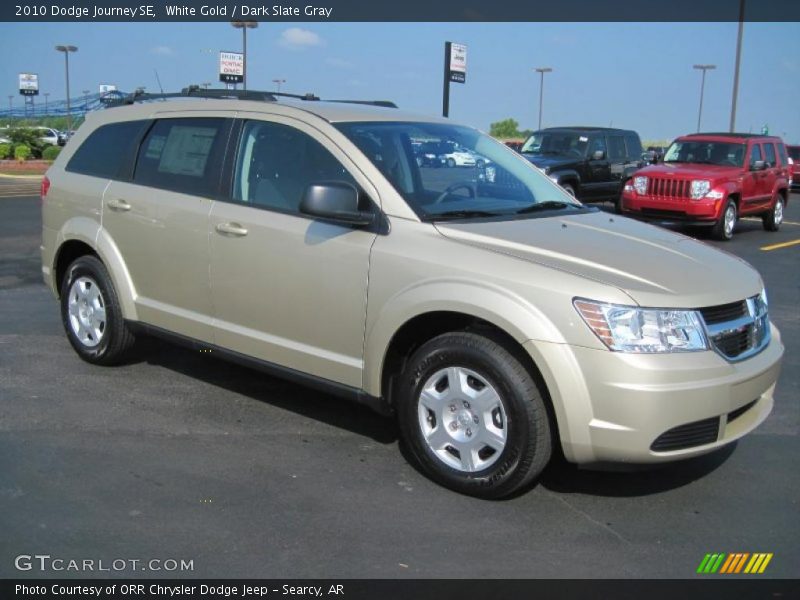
{"points": [[740, 562]]}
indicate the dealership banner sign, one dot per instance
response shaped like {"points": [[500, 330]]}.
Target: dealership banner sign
{"points": [[29, 84], [458, 63], [231, 67]]}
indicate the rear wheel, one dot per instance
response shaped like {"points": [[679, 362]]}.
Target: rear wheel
{"points": [[472, 416], [723, 228], [91, 313], [773, 219]]}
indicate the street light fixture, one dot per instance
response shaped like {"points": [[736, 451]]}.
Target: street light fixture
{"points": [[244, 26], [702, 68], [541, 71], [279, 82], [66, 50]]}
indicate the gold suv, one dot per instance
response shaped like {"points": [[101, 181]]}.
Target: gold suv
{"points": [[496, 316]]}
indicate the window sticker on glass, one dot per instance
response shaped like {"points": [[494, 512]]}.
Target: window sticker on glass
{"points": [[583, 138], [186, 150], [155, 147]]}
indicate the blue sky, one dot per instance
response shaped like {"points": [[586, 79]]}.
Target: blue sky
{"points": [[633, 75]]}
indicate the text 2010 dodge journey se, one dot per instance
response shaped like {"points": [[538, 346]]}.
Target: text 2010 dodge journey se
{"points": [[497, 320]]}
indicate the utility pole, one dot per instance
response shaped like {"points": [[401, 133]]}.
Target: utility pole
{"points": [[244, 26], [541, 71], [736, 68], [66, 50], [278, 82], [702, 68], [46, 96]]}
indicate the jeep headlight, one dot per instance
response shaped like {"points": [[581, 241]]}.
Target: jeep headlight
{"points": [[700, 187], [643, 330], [640, 184]]}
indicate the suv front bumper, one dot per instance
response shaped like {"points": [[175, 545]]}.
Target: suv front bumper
{"points": [[613, 407], [684, 210]]}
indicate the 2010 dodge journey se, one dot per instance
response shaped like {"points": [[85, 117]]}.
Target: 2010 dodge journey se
{"points": [[498, 320]]}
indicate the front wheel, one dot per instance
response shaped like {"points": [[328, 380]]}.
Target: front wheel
{"points": [[91, 313], [723, 228], [451, 162], [472, 416], [569, 188], [773, 219]]}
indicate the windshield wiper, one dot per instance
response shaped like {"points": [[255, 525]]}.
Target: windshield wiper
{"points": [[546, 205], [460, 214]]}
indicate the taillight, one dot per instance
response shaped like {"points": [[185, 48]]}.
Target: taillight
{"points": [[45, 188]]}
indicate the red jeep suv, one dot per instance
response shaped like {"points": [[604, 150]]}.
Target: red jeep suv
{"points": [[713, 179]]}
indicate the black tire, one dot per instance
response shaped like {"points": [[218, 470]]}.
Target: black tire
{"points": [[570, 189], [720, 231], [451, 162], [773, 219], [115, 339], [528, 441]]}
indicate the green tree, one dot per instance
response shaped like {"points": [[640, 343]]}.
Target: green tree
{"points": [[25, 136], [507, 128]]}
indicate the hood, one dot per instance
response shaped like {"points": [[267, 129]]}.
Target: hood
{"points": [[553, 161], [690, 171], [654, 266]]}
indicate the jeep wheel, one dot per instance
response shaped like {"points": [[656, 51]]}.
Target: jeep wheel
{"points": [[773, 219], [723, 228], [472, 416], [91, 313]]}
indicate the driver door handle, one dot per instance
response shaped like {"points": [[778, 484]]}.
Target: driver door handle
{"points": [[119, 205], [231, 229]]}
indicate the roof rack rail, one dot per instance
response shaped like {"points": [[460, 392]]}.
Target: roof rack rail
{"points": [[195, 91]]}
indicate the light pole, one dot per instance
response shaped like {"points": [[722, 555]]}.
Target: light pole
{"points": [[702, 68], [244, 26], [541, 71], [66, 50], [736, 67], [46, 96], [279, 82], [206, 84], [85, 102]]}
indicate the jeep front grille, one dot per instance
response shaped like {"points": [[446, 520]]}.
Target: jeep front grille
{"points": [[738, 330], [668, 188]]}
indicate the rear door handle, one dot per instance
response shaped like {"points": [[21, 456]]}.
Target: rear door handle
{"points": [[232, 229], [119, 205]]}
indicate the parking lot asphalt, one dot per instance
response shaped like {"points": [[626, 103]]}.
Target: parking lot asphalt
{"points": [[178, 455]]}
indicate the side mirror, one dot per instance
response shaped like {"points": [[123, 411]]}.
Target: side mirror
{"points": [[758, 165], [335, 201], [598, 155]]}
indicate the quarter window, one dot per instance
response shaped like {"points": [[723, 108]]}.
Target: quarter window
{"points": [[106, 150], [634, 146], [276, 163], [183, 155]]}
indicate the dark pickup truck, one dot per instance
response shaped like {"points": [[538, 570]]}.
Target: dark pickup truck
{"points": [[591, 163]]}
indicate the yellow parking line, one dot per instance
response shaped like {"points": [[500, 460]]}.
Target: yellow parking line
{"points": [[778, 246], [759, 221]]}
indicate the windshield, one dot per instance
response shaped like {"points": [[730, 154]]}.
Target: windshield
{"points": [[448, 171], [559, 143], [724, 154]]}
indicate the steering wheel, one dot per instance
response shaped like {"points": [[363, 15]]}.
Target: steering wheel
{"points": [[453, 187]]}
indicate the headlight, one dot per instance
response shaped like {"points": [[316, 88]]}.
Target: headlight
{"points": [[643, 330], [700, 187], [640, 184]]}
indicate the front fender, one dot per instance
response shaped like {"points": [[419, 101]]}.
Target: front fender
{"points": [[500, 307]]}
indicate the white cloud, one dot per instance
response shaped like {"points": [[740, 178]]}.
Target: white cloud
{"points": [[339, 63], [295, 38], [162, 50]]}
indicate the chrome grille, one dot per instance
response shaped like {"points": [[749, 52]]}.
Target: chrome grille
{"points": [[738, 330], [668, 188]]}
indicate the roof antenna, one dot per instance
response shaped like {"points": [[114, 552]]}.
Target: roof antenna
{"points": [[158, 80]]}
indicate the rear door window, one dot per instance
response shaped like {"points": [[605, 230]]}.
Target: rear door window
{"points": [[769, 153], [616, 148], [183, 155], [782, 154], [634, 146], [107, 150]]}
